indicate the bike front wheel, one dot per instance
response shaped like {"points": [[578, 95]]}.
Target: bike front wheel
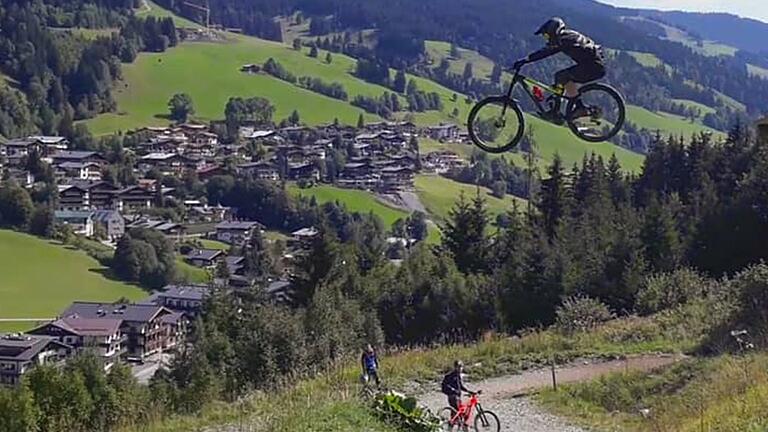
{"points": [[496, 124], [597, 114], [487, 421]]}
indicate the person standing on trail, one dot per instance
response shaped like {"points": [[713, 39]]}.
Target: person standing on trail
{"points": [[453, 385], [370, 363]]}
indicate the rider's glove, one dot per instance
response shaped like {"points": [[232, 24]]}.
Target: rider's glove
{"points": [[520, 63]]}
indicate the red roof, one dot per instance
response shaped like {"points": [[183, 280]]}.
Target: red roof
{"points": [[89, 326]]}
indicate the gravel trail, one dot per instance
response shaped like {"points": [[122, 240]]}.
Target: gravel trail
{"points": [[520, 414]]}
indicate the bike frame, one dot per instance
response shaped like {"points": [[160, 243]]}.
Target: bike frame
{"points": [[465, 410], [527, 83]]}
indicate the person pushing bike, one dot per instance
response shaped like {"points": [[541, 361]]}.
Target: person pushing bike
{"points": [[453, 385], [588, 55]]}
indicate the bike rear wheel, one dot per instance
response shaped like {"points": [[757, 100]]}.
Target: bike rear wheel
{"points": [[496, 124], [446, 415], [487, 421], [598, 114]]}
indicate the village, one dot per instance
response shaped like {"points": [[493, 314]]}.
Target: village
{"points": [[382, 158]]}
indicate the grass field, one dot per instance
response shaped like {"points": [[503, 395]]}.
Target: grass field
{"points": [[439, 194], [691, 104], [666, 122], [214, 244], [355, 201], [152, 9], [40, 279], [757, 71], [189, 273]]}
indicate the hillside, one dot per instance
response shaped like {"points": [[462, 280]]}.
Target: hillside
{"points": [[30, 292]]}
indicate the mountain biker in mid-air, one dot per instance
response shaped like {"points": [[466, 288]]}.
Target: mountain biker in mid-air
{"points": [[589, 58], [453, 385], [370, 363]]}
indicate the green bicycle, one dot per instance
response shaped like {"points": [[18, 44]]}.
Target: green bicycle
{"points": [[496, 124]]}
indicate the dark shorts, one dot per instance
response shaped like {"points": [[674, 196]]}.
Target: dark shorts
{"points": [[454, 401], [581, 73]]}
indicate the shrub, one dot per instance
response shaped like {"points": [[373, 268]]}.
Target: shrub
{"points": [[667, 290], [581, 313], [405, 412]]}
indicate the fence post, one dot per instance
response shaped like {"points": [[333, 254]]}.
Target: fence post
{"points": [[554, 375]]}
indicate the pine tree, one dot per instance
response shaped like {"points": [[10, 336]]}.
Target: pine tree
{"points": [[294, 118], [660, 237], [297, 44], [464, 234], [313, 52], [467, 75], [412, 88], [400, 81], [552, 197], [360, 121], [328, 58], [496, 73], [455, 54]]}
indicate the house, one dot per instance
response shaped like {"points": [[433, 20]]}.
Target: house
{"points": [[206, 213], [79, 170], [396, 178], [176, 325], [235, 264], [169, 163], [169, 229], [762, 127], [81, 221], [87, 195], [260, 170], [205, 258], [64, 156], [304, 171], [443, 161], [210, 170], [187, 299], [134, 198], [236, 232], [444, 132], [113, 223], [141, 323], [302, 239], [280, 290], [51, 144], [18, 149], [21, 353], [23, 178], [102, 336]]}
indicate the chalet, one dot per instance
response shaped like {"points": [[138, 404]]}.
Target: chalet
{"points": [[444, 132], [21, 353], [176, 325], [198, 151], [23, 178], [187, 299], [102, 336], [252, 134], [79, 170], [302, 239], [204, 258], [87, 195], [82, 157], [236, 232], [762, 127], [397, 178], [260, 170], [304, 171], [226, 150], [51, 144], [134, 198], [443, 161], [280, 291], [368, 138], [81, 221], [18, 149], [112, 221], [358, 170], [207, 171], [169, 163], [235, 264], [169, 229], [206, 213], [141, 323], [162, 144]]}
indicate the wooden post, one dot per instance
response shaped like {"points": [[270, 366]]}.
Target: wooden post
{"points": [[554, 375]]}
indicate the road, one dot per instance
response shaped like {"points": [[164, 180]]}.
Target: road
{"points": [[521, 414], [144, 372]]}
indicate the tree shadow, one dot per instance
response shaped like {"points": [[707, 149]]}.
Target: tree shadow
{"points": [[107, 273], [165, 116]]}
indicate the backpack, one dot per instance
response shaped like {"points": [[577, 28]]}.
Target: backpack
{"points": [[445, 387]]}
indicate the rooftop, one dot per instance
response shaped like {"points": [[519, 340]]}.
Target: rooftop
{"points": [[203, 254], [126, 312], [89, 326], [24, 347], [242, 225], [186, 292]]}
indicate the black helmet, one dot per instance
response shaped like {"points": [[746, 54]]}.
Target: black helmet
{"points": [[552, 27]]}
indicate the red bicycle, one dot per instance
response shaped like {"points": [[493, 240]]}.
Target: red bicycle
{"points": [[452, 420]]}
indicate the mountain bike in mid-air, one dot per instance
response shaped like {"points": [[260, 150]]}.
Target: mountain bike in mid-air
{"points": [[496, 124]]}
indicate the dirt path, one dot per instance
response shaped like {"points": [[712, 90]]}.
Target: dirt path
{"points": [[522, 414]]}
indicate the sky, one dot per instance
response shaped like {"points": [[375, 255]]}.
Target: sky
{"points": [[757, 9]]}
